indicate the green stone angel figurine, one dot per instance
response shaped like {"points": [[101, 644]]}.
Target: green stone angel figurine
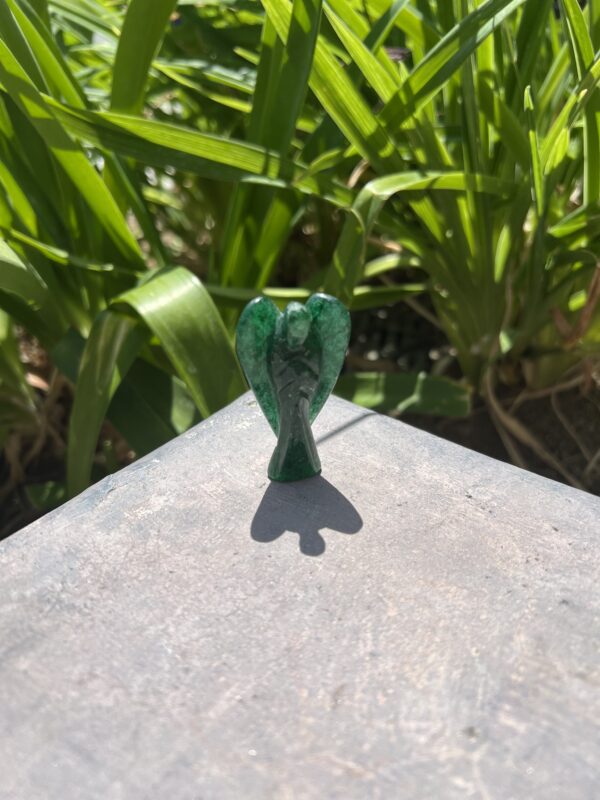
{"points": [[291, 361]]}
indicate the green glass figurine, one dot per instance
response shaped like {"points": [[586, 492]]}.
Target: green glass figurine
{"points": [[291, 361]]}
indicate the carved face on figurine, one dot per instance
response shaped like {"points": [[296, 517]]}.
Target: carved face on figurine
{"points": [[296, 323], [292, 361]]}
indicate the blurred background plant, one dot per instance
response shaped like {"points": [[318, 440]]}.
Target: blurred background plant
{"points": [[436, 165]]}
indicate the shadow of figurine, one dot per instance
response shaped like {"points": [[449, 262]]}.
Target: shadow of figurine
{"points": [[304, 507]]}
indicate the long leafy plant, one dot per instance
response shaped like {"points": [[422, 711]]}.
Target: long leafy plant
{"points": [[157, 170]]}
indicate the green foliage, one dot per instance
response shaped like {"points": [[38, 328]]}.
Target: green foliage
{"points": [[400, 392], [159, 170]]}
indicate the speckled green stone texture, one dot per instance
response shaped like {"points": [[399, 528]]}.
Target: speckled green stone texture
{"points": [[291, 361]]}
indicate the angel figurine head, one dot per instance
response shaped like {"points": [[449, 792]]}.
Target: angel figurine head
{"points": [[291, 361]]}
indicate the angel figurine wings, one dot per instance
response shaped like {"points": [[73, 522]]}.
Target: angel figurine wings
{"points": [[291, 361]]}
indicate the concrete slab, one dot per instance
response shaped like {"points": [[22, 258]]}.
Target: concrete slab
{"points": [[419, 622]]}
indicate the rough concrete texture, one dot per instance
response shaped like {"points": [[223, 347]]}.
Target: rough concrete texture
{"points": [[420, 622]]}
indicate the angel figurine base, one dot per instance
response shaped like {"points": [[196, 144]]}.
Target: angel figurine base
{"points": [[291, 361]]}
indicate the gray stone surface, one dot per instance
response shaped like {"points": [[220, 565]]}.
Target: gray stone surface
{"points": [[420, 622]]}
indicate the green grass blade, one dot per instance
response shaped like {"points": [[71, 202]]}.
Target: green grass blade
{"points": [[179, 311], [595, 23], [13, 36], [27, 297], [213, 157], [48, 56], [536, 165], [348, 261], [385, 24], [373, 37], [20, 279], [420, 30], [363, 297], [405, 392], [340, 99], [151, 407], [506, 123], [140, 40], [572, 109], [280, 93], [18, 200], [58, 256], [93, 17], [59, 77], [41, 9], [530, 38], [112, 347], [371, 67], [279, 110], [68, 154], [442, 61], [581, 42], [583, 53], [550, 90], [148, 408]]}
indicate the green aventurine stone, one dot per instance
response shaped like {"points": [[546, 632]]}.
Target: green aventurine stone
{"points": [[291, 361]]}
